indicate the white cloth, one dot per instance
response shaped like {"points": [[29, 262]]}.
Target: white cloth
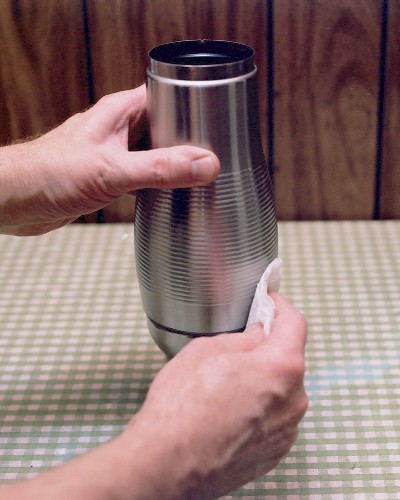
{"points": [[262, 308]]}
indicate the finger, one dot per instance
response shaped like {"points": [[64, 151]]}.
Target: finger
{"points": [[122, 109], [179, 166], [289, 328]]}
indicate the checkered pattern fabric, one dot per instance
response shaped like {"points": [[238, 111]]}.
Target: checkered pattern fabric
{"points": [[76, 359]]}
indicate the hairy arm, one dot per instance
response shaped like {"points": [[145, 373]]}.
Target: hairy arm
{"points": [[86, 162]]}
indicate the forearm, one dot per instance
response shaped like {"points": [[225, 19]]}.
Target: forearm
{"points": [[28, 187], [127, 468], [24, 181], [15, 175]]}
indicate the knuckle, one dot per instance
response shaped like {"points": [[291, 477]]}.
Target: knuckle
{"points": [[292, 408], [291, 367], [104, 186], [297, 367], [162, 169], [290, 388], [106, 100], [299, 319], [303, 404], [302, 320]]}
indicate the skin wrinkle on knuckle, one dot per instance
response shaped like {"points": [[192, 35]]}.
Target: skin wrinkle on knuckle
{"points": [[291, 363], [107, 100], [303, 405], [297, 367], [285, 392], [162, 170], [103, 187]]}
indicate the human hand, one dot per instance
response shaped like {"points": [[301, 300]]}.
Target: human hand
{"points": [[224, 411], [226, 408], [85, 163]]}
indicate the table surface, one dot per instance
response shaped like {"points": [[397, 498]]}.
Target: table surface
{"points": [[76, 359]]}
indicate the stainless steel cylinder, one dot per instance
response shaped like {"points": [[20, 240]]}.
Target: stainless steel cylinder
{"points": [[201, 251]]}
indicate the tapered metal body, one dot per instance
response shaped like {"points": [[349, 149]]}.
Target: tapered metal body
{"points": [[201, 251]]}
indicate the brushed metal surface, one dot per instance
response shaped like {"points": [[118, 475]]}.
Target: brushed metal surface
{"points": [[201, 251]]}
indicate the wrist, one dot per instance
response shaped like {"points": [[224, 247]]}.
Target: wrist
{"points": [[20, 181], [129, 467], [157, 463]]}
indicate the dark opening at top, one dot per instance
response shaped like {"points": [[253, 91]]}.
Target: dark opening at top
{"points": [[201, 59]]}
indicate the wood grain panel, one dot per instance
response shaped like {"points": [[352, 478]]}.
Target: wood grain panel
{"points": [[43, 77], [325, 111], [326, 81], [123, 31], [390, 167]]}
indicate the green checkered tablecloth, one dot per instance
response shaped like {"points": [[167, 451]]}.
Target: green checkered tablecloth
{"points": [[76, 359]]}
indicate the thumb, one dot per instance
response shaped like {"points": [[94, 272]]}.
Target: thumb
{"points": [[174, 167], [289, 328]]}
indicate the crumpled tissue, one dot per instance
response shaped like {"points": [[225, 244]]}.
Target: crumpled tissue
{"points": [[263, 307]]}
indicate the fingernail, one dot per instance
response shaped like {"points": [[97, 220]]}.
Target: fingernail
{"points": [[203, 169]]}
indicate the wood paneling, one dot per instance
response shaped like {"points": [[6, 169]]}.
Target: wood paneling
{"points": [[122, 32], [58, 56], [389, 203], [326, 82], [43, 77]]}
